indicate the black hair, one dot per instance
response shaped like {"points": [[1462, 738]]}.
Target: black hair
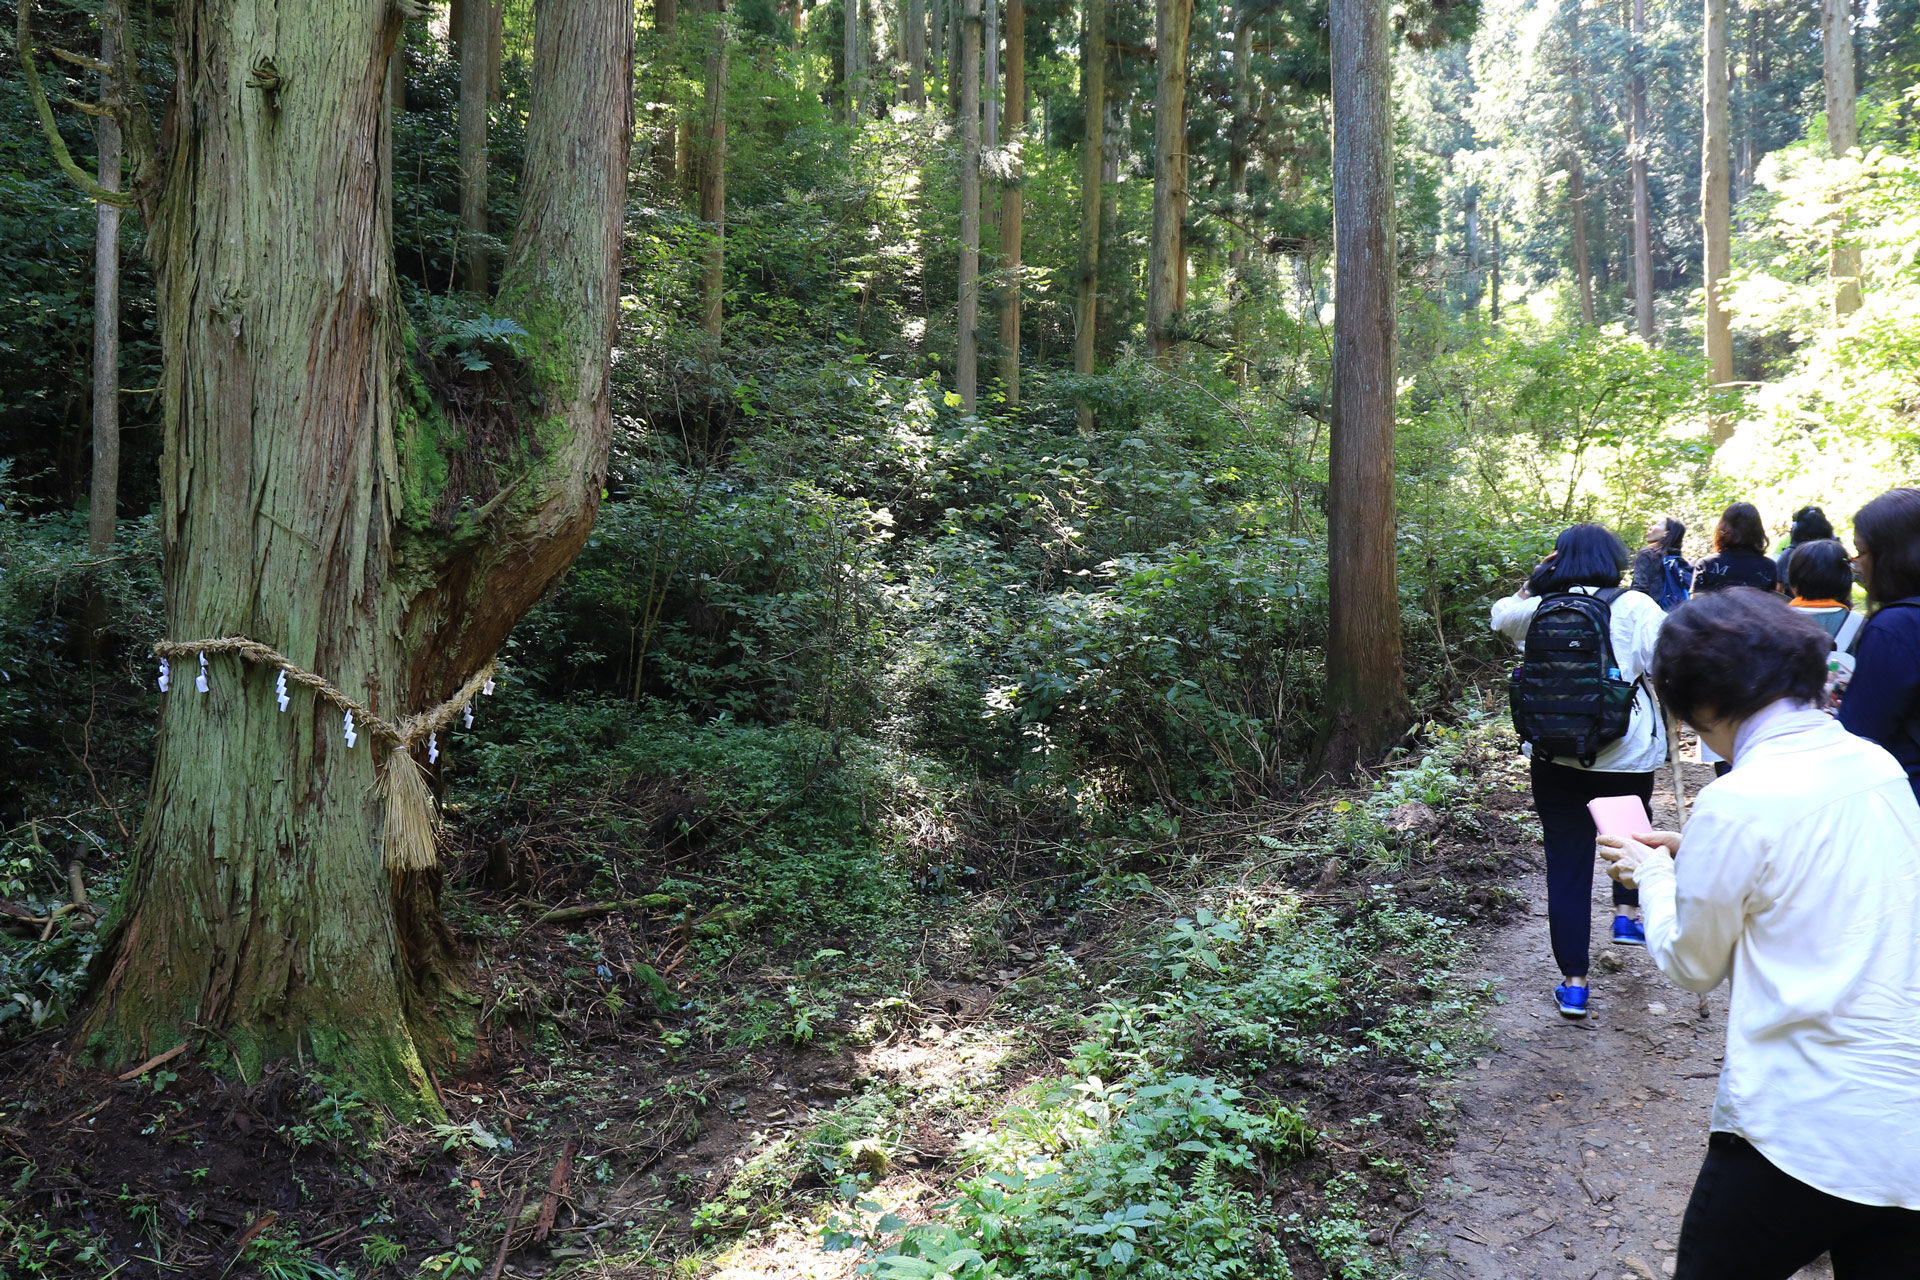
{"points": [[1585, 555], [1676, 534], [1810, 524], [1820, 570], [1888, 529], [1740, 529], [1732, 652]]}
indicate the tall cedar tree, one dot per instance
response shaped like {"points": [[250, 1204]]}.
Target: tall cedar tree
{"points": [[310, 500], [1013, 200], [713, 171], [1093, 84], [1366, 683], [1637, 143], [478, 31], [1165, 258], [104, 499], [1843, 134], [1716, 233], [967, 327]]}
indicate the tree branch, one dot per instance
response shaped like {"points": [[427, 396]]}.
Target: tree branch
{"points": [[89, 186]]}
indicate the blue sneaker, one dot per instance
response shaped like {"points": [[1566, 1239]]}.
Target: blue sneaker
{"points": [[1628, 933], [1571, 999]]}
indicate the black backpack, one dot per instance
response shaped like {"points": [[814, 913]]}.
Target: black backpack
{"points": [[1567, 695]]}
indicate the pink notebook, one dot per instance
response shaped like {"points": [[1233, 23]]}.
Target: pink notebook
{"points": [[1619, 816]]}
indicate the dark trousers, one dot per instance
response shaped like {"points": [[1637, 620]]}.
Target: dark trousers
{"points": [[1749, 1221], [1560, 796]]}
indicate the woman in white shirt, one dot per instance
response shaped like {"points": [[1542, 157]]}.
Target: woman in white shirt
{"points": [[1799, 879], [1589, 559]]}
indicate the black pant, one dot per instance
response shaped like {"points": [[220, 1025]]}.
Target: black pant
{"points": [[1749, 1221], [1560, 795]]}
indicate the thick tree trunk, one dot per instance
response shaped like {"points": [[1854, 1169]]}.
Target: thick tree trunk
{"points": [[990, 76], [852, 73], [1493, 236], [315, 497], [967, 356], [104, 499], [1716, 231], [1172, 18], [916, 51], [476, 60], [1239, 147], [1013, 200], [1366, 686], [1642, 199], [1093, 159], [1843, 134], [666, 21], [713, 174], [1577, 211]]}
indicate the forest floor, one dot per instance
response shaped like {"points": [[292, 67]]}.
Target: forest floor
{"points": [[622, 1143]]}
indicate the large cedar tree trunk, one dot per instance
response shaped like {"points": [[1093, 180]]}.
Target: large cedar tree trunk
{"points": [[1843, 134], [316, 498], [916, 52], [1366, 686], [1714, 212], [713, 174], [1093, 84], [1013, 200], [477, 61], [104, 497], [1172, 18]]}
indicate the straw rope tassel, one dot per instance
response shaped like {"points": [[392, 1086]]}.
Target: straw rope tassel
{"points": [[411, 838]]}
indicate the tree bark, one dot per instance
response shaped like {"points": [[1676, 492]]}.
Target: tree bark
{"points": [[1366, 686], [1172, 18], [1642, 199], [1493, 236], [1843, 134], [666, 21], [917, 52], [713, 174], [316, 496], [1714, 220], [852, 73], [1577, 210], [104, 500], [476, 60], [967, 356], [990, 76], [1013, 200], [1093, 158]]}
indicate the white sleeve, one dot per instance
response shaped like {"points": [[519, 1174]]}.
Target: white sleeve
{"points": [[1644, 619], [1511, 616], [1695, 911]]}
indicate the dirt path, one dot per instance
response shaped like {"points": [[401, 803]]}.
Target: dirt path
{"points": [[1578, 1141]]}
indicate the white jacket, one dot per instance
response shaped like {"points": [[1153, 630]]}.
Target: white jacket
{"points": [[1636, 626], [1799, 877]]}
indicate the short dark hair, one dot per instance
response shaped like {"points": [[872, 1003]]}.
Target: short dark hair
{"points": [[1888, 529], [1810, 524], [1740, 529], [1733, 652], [1585, 555], [1820, 570]]}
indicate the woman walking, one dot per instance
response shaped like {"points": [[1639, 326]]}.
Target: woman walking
{"points": [[1739, 556], [1810, 524], [1588, 560], [1660, 568], [1799, 880], [1882, 702]]}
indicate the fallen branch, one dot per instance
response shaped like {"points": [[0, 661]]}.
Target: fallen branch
{"points": [[157, 1060], [513, 1223], [550, 1206]]}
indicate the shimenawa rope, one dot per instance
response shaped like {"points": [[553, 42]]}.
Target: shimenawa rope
{"points": [[410, 839]]}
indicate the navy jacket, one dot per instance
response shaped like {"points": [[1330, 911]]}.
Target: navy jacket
{"points": [[1726, 569], [1882, 702]]}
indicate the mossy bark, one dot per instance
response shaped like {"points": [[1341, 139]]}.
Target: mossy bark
{"points": [[258, 904]]}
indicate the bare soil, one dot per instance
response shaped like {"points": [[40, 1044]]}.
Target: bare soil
{"points": [[1578, 1141]]}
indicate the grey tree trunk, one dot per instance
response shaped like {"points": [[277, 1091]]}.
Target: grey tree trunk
{"points": [[1165, 260], [990, 76], [1714, 213], [307, 501], [666, 35], [1013, 200], [1366, 684], [1577, 210], [1493, 236], [852, 72], [1843, 134], [104, 499], [916, 41], [1642, 199], [476, 62], [713, 174], [1093, 159], [967, 326]]}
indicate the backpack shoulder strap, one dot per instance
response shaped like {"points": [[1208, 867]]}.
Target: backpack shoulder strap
{"points": [[1849, 631]]}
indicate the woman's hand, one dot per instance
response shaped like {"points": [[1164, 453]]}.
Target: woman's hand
{"points": [[1625, 854], [1526, 588]]}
